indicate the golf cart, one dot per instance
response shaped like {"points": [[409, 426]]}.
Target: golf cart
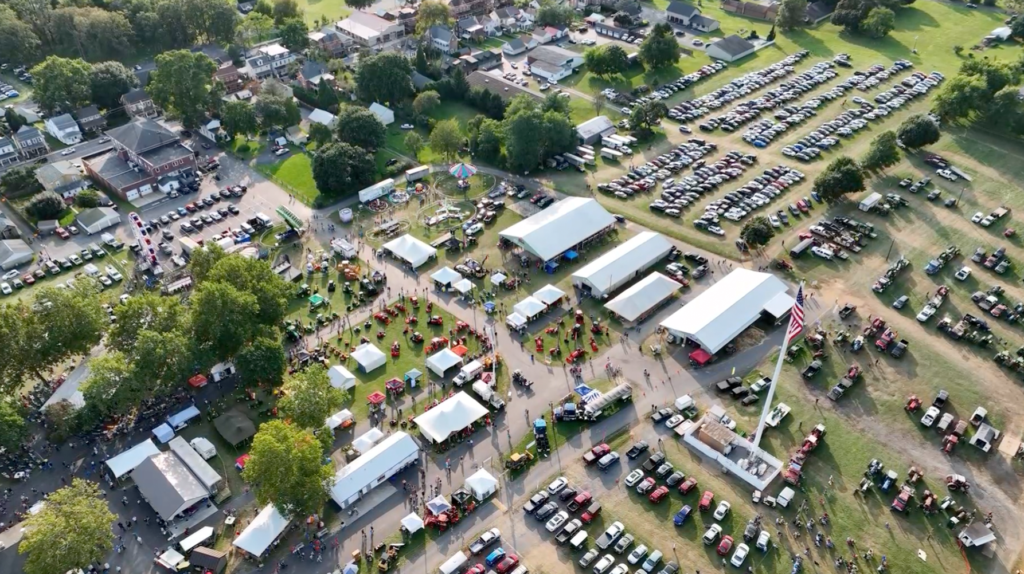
{"points": [[913, 404]]}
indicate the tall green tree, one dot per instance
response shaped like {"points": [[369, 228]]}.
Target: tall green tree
{"points": [[277, 112], [320, 134], [414, 142], [224, 318], [918, 131], [18, 41], [878, 23], [360, 127], [757, 231], [14, 120], [20, 180], [487, 140], [262, 361], [181, 84], [46, 205], [554, 14], [146, 311], [239, 118], [61, 84], [13, 428], [555, 103], [293, 33], [606, 60], [285, 10], [431, 13], [309, 397], [384, 78], [359, 4], [257, 278], [426, 102], [883, 152], [446, 138], [110, 81], [93, 33], [841, 177], [644, 117], [203, 261], [71, 531], [340, 168], [660, 48], [791, 14], [286, 469], [253, 29]]}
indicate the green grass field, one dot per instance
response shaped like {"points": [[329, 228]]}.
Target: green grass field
{"points": [[295, 174], [315, 10]]}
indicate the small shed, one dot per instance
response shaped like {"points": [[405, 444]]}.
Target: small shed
{"points": [[209, 559], [385, 115]]}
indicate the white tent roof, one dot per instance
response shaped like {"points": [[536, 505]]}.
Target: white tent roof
{"points": [[725, 309], [412, 523], [169, 559], [385, 115], [203, 446], [337, 419], [341, 378], [452, 415], [559, 227], [498, 278], [482, 484], [446, 275], [163, 433], [411, 249], [364, 471], [438, 504], [364, 442], [126, 462], [369, 357], [197, 538], [262, 531], [464, 286], [529, 307], [183, 416], [548, 294], [642, 297], [443, 360], [622, 263], [516, 320]]}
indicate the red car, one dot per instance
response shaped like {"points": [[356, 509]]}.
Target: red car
{"points": [[658, 495], [706, 500], [688, 485], [588, 516], [582, 499], [476, 569], [191, 207], [596, 453], [28, 279], [725, 545], [511, 561], [802, 206], [63, 233]]}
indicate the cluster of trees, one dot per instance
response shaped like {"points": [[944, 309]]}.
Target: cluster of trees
{"points": [[983, 90], [606, 60], [274, 109], [660, 48], [791, 15], [840, 178], [883, 152], [344, 161], [552, 13], [757, 231], [917, 131], [872, 18], [71, 531], [384, 78], [530, 132], [19, 181], [455, 87], [66, 84]]}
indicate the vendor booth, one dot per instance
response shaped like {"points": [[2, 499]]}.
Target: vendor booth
{"points": [[163, 433], [412, 523], [464, 286], [411, 250], [445, 277], [482, 484], [262, 532], [443, 360], [498, 278], [235, 427], [412, 376], [342, 418], [516, 321], [450, 417], [364, 442], [530, 308], [549, 295], [341, 378], [369, 357], [180, 420]]}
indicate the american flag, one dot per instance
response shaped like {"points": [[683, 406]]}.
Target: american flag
{"points": [[796, 317]]}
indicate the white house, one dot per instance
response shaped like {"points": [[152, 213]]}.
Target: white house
{"points": [[730, 49], [64, 128], [443, 39], [386, 116], [271, 59], [513, 19], [370, 30], [324, 117], [553, 63], [210, 129]]}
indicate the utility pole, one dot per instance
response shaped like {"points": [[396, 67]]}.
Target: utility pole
{"points": [[888, 253]]}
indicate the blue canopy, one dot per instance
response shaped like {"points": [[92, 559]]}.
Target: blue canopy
{"points": [[570, 255], [489, 306], [550, 266], [582, 390], [540, 424]]}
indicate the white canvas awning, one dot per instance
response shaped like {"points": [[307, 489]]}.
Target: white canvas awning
{"points": [[126, 462], [647, 294], [464, 286], [337, 419], [179, 419], [443, 360], [367, 440], [529, 307], [498, 279], [515, 320], [412, 523], [549, 294], [482, 484], [193, 540], [369, 357], [411, 250], [451, 416], [262, 531], [341, 378], [446, 276], [558, 228], [163, 433]]}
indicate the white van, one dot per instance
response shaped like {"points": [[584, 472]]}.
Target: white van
{"points": [[785, 497], [823, 252], [579, 541]]}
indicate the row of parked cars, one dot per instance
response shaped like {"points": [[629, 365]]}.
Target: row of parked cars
{"points": [[739, 88], [705, 179], [646, 177], [755, 194]]}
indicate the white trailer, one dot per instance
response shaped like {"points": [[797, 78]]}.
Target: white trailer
{"points": [[610, 143], [610, 154], [417, 173], [575, 160], [584, 150]]}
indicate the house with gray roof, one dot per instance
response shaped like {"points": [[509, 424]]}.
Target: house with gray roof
{"points": [[689, 16], [64, 129], [139, 104], [30, 143], [14, 252], [168, 485], [90, 119], [553, 63], [8, 229], [96, 219], [443, 39], [419, 81], [730, 49], [8, 152], [62, 178]]}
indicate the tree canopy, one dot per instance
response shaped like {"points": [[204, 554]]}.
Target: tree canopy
{"points": [[340, 168], [360, 127], [286, 469], [644, 117], [71, 531], [918, 131], [13, 428], [110, 81], [239, 117], [309, 397], [843, 176], [262, 361], [61, 84], [660, 48], [384, 77], [606, 60], [791, 14], [446, 138], [883, 152], [757, 231], [181, 84], [431, 13], [879, 22]]}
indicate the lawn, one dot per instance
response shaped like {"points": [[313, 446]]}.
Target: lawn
{"points": [[294, 174], [333, 10], [246, 148]]}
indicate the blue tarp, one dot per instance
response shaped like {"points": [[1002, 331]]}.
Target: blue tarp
{"points": [[570, 255], [550, 267], [582, 390]]}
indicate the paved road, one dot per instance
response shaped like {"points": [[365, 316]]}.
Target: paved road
{"points": [[86, 148]]}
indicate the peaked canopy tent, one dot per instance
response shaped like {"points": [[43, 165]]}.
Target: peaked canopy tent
{"points": [[262, 531], [727, 308], [126, 462], [560, 227], [235, 427], [549, 295], [367, 440], [443, 360], [482, 484], [168, 485], [413, 375], [163, 433], [412, 523], [446, 277], [515, 320], [622, 264], [411, 250], [449, 417], [464, 286], [338, 419], [643, 297], [498, 278], [180, 419], [341, 378], [529, 308], [369, 357], [438, 504]]}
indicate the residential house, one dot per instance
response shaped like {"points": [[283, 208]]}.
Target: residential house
{"points": [[419, 81], [229, 75], [481, 60], [139, 104], [730, 49], [462, 8], [62, 178], [370, 31], [513, 19], [553, 63], [703, 23], [514, 47], [296, 136], [383, 113], [210, 130], [443, 39], [269, 59], [322, 117], [543, 36], [8, 152], [90, 119], [477, 27], [680, 13], [8, 229], [498, 85], [147, 157], [756, 10], [30, 143], [312, 73], [216, 53], [407, 18], [64, 129], [329, 40]]}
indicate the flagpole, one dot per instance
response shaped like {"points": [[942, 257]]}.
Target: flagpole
{"points": [[771, 387]]}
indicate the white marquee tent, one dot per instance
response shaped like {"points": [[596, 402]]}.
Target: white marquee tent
{"points": [[411, 250], [446, 276], [620, 265], [373, 468], [126, 462], [452, 415], [163, 433], [262, 531], [724, 310], [341, 378], [464, 286], [515, 320], [482, 484], [558, 228], [529, 308], [443, 360], [645, 295], [549, 294], [369, 357], [413, 523], [337, 419], [367, 440], [498, 278]]}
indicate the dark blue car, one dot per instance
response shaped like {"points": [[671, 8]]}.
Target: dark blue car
{"points": [[680, 516]]}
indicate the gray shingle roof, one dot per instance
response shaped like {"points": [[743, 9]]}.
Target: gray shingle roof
{"points": [[733, 45], [141, 135], [682, 9], [135, 96], [440, 33]]}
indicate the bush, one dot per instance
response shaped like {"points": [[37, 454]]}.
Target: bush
{"points": [[87, 198], [958, 49], [46, 205], [243, 148]]}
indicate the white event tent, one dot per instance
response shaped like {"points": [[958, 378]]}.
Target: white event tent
{"points": [[549, 294], [446, 276], [412, 523], [126, 462], [374, 467], [560, 227], [622, 264], [645, 295], [411, 250], [262, 531], [464, 286], [369, 357], [451, 416], [341, 378], [367, 440], [443, 360], [529, 308], [482, 484]]}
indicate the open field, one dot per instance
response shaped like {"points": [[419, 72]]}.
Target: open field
{"points": [[295, 174], [332, 10]]}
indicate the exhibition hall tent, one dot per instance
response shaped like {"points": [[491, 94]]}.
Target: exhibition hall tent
{"points": [[369, 357], [262, 531], [451, 416], [622, 264], [560, 227], [443, 360], [411, 250], [642, 297]]}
